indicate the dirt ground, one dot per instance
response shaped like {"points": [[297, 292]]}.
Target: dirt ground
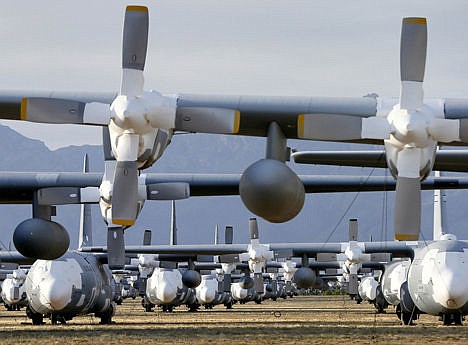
{"points": [[301, 320]]}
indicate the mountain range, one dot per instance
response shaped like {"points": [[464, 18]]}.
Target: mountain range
{"points": [[323, 218]]}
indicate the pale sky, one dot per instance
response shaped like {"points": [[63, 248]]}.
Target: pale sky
{"points": [[316, 48]]}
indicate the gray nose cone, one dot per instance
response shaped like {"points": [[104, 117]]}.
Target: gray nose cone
{"points": [[246, 283], [304, 278], [191, 279], [271, 190], [41, 239]]}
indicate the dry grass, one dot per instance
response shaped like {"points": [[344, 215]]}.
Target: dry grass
{"points": [[302, 320]]}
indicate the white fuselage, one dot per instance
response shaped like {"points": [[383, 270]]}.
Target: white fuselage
{"points": [[72, 285], [392, 279], [13, 291], [165, 287], [438, 277], [368, 289]]}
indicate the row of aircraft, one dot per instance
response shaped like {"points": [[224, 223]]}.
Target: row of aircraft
{"points": [[414, 277], [137, 127]]}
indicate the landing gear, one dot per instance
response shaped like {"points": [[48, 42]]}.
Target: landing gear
{"points": [[455, 318], [406, 317], [55, 319], [36, 318], [106, 316], [167, 308], [193, 308], [147, 305]]}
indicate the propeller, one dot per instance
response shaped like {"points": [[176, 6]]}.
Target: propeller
{"points": [[257, 255], [127, 111], [228, 262], [411, 129]]}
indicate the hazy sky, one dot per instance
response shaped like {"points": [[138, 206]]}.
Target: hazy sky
{"points": [[310, 48], [342, 48]]}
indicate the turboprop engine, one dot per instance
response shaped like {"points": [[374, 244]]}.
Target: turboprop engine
{"points": [[41, 239]]}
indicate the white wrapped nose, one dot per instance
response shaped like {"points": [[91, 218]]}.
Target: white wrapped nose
{"points": [[55, 294], [450, 287], [206, 295], [166, 292]]}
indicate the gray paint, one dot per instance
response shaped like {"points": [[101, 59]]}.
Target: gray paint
{"points": [[46, 110], [331, 127], [125, 191], [135, 40], [413, 51], [407, 215]]}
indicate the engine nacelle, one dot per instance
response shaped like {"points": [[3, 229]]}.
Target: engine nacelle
{"points": [[41, 239], [271, 190]]}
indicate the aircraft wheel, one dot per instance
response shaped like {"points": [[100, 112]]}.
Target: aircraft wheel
{"points": [[406, 318], [106, 316], [36, 318], [458, 319], [398, 311]]}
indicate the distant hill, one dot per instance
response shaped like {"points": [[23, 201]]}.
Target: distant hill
{"points": [[324, 217]]}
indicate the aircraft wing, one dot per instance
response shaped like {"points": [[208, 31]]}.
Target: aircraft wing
{"points": [[446, 160], [68, 187], [180, 249], [404, 249], [15, 257], [312, 118], [194, 113]]}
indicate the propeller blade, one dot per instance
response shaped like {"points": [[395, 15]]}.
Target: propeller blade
{"points": [[106, 144], [115, 247], [408, 195], [413, 49], [253, 227], [62, 111], [125, 193], [147, 238], [134, 46], [412, 61], [353, 284], [407, 209], [258, 282], [227, 280], [228, 235], [353, 230], [173, 236]]}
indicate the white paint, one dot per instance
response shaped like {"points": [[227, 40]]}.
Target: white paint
{"points": [[49, 284], [96, 113]]}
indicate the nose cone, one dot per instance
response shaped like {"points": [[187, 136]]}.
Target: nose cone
{"points": [[166, 292], [55, 294], [450, 289], [206, 295]]}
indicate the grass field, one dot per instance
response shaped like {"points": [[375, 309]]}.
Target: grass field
{"points": [[301, 320]]}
